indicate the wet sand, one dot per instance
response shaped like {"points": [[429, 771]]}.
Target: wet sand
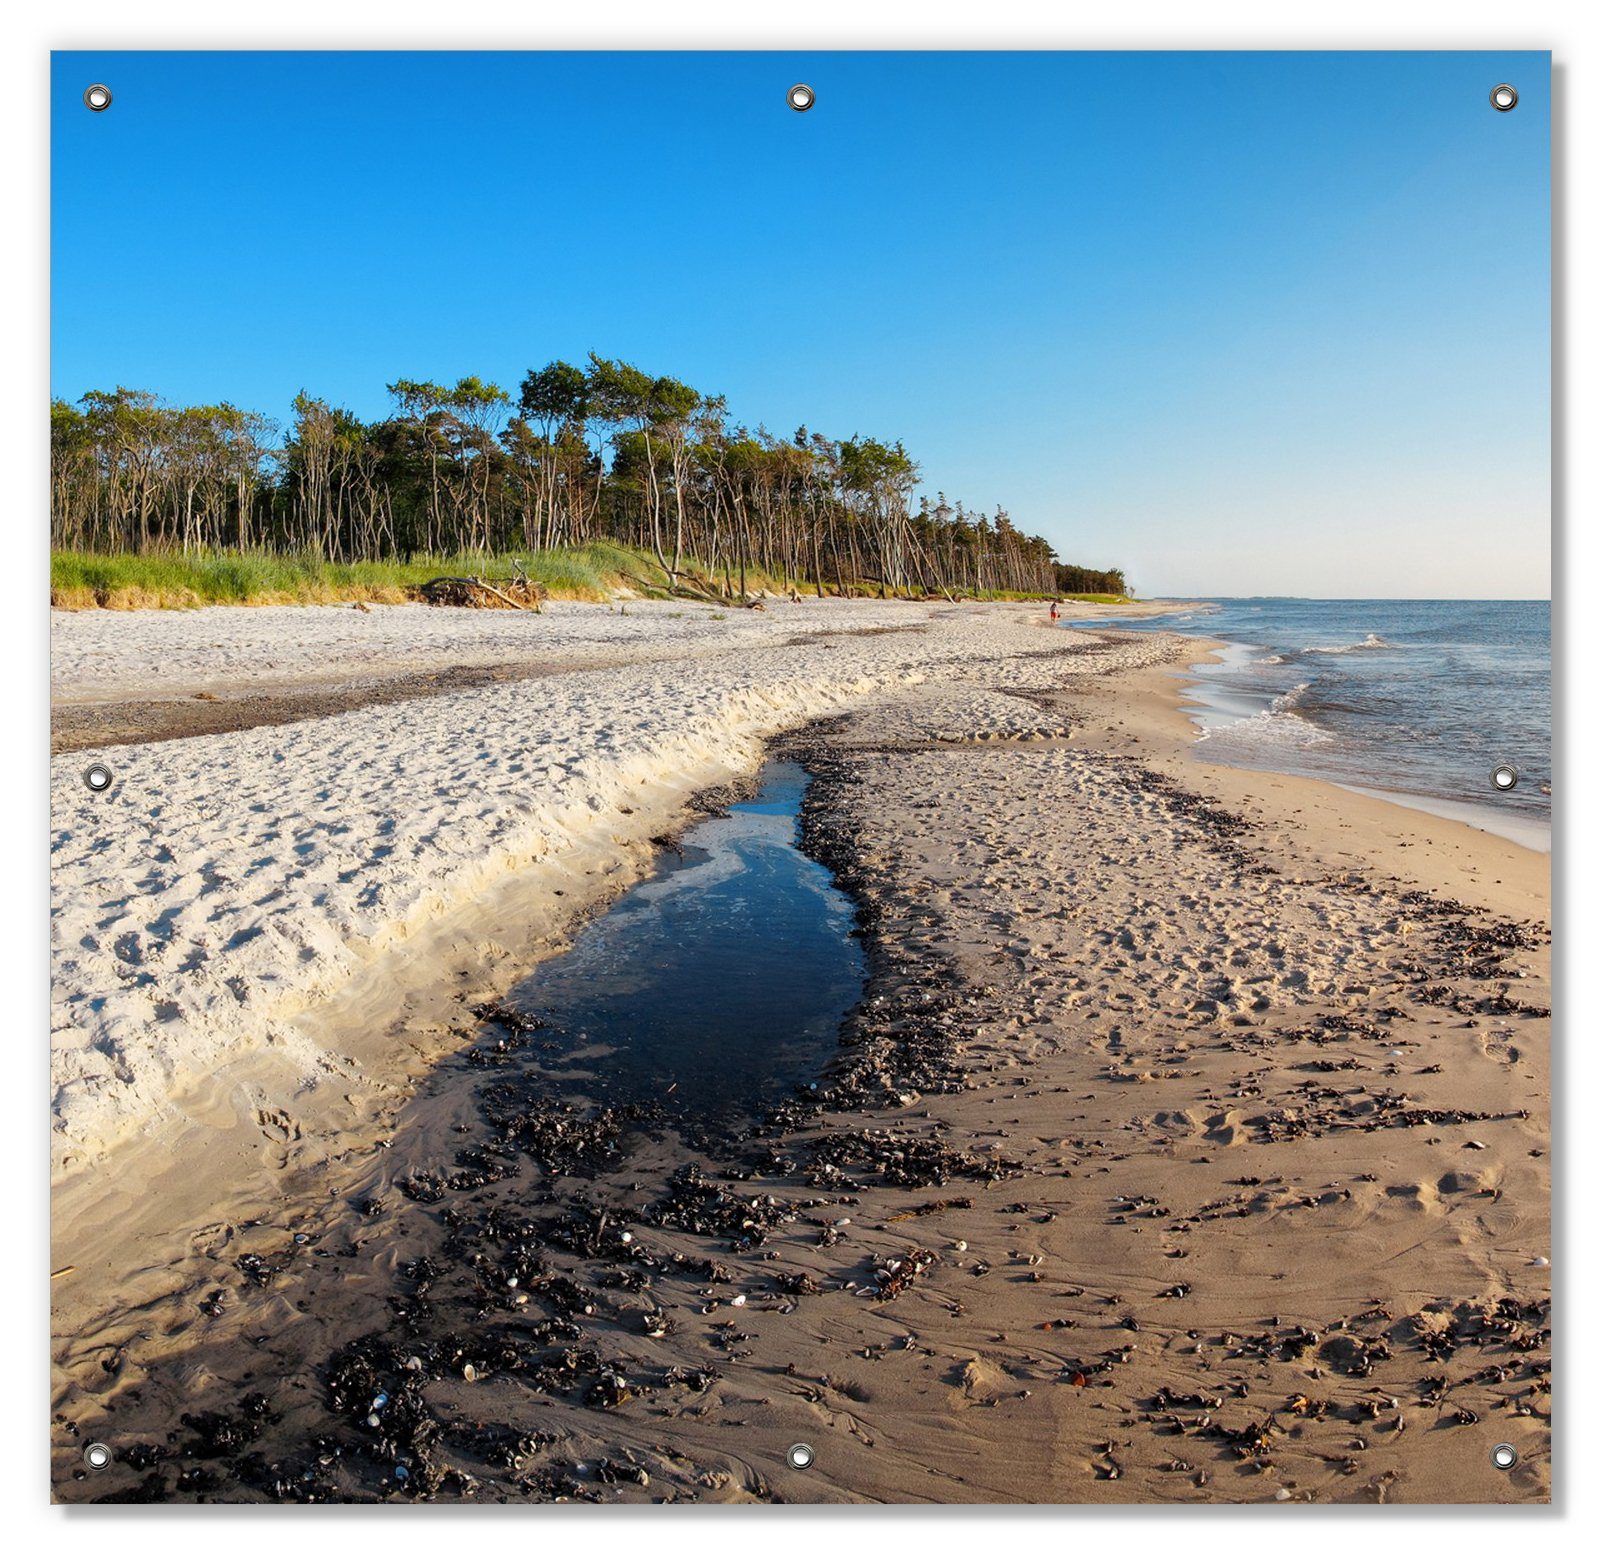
{"points": [[1189, 1145], [95, 725]]}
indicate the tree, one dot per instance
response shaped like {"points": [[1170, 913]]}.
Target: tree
{"points": [[658, 411], [880, 477], [604, 450], [550, 438]]}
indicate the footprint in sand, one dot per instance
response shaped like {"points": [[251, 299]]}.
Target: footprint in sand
{"points": [[1181, 1122], [277, 1125], [977, 1381], [1496, 1045], [1466, 1180], [1420, 1196]]}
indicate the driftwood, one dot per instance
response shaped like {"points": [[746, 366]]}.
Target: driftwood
{"points": [[684, 591], [475, 593], [702, 591]]}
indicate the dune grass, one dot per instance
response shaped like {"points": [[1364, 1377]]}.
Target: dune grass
{"points": [[171, 580]]}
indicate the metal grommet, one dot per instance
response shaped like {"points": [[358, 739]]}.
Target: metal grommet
{"points": [[97, 777], [800, 1456], [1504, 1455], [1504, 98], [801, 97], [97, 98], [1505, 778], [97, 1455]]}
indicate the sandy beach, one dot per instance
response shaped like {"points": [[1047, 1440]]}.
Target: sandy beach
{"points": [[1189, 1143]]}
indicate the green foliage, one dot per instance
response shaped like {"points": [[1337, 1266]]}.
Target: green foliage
{"points": [[555, 396], [80, 580], [605, 452], [1091, 583]]}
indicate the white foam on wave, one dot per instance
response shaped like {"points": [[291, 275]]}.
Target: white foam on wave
{"points": [[1271, 729], [1373, 640], [1277, 725]]}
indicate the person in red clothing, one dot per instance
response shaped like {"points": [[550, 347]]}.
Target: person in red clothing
{"points": [[1054, 611]]}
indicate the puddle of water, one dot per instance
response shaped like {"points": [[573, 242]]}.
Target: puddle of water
{"points": [[718, 984]]}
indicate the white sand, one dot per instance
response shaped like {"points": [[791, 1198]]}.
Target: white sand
{"points": [[229, 882], [100, 655]]}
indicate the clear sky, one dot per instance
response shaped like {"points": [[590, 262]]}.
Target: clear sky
{"points": [[1240, 323]]}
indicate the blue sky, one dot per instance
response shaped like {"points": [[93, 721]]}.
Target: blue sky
{"points": [[1241, 323]]}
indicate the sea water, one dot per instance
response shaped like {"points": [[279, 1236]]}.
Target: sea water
{"points": [[1420, 698]]}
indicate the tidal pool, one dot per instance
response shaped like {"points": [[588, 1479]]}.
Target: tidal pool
{"points": [[717, 984]]}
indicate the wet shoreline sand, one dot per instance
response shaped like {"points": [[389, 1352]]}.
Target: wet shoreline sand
{"points": [[1145, 1041]]}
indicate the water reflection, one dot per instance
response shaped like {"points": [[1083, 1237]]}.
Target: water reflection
{"points": [[719, 983]]}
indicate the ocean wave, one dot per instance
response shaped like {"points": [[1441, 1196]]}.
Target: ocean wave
{"points": [[1280, 731], [1279, 724], [1373, 640]]}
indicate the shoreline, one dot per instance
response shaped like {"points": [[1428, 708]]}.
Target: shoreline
{"points": [[1389, 824], [1528, 830], [1015, 747]]}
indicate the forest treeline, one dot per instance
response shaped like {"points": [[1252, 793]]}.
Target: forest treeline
{"points": [[599, 452]]}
